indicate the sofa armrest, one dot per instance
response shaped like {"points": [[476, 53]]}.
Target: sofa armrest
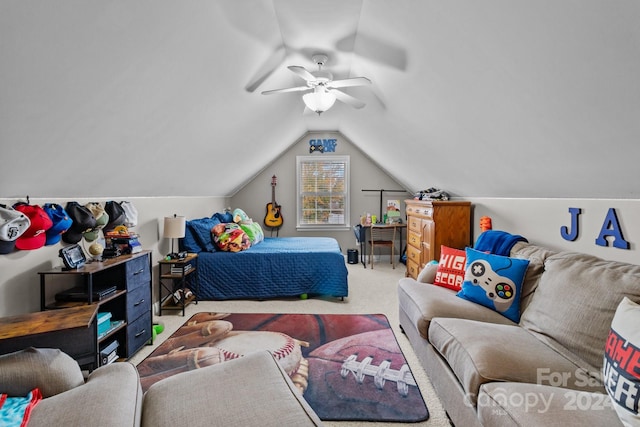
{"points": [[422, 302], [250, 391], [48, 369], [428, 273], [111, 397]]}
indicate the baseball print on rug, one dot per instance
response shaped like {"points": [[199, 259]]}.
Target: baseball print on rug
{"points": [[348, 367]]}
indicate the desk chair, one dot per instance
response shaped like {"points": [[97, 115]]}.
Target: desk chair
{"points": [[383, 236]]}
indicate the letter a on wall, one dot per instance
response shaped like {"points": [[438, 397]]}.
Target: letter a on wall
{"points": [[611, 227]]}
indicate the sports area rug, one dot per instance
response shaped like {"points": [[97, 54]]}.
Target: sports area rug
{"points": [[348, 367]]}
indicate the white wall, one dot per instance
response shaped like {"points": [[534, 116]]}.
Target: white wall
{"points": [[19, 279], [539, 220]]}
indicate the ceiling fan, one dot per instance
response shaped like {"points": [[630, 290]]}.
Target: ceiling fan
{"points": [[323, 89]]}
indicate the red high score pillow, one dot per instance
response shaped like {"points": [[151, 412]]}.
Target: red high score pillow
{"points": [[451, 267]]}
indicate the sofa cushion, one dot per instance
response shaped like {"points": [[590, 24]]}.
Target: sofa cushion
{"points": [[451, 267], [536, 256], [422, 302], [249, 391], [576, 299], [479, 353], [47, 369], [621, 367], [520, 404], [494, 281]]}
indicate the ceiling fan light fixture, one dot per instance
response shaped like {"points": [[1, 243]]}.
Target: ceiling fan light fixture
{"points": [[319, 101]]}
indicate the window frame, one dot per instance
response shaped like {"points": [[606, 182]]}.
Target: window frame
{"points": [[332, 159]]}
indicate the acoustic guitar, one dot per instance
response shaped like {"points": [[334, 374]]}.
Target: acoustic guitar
{"points": [[273, 218]]}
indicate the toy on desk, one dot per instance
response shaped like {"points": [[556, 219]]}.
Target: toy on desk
{"points": [[485, 223], [176, 255], [123, 240]]}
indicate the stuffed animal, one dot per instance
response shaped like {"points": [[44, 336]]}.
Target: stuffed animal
{"points": [[253, 229]]}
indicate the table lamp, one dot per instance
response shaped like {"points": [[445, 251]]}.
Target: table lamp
{"points": [[174, 228]]}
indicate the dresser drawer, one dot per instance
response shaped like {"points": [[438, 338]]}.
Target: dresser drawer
{"points": [[415, 224], [420, 211], [414, 239], [414, 254], [138, 302], [138, 272], [412, 269], [138, 333]]}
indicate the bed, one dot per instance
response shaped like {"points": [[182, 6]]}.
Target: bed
{"points": [[276, 267]]}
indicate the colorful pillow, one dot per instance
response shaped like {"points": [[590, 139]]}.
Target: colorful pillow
{"points": [[451, 268], [621, 367], [229, 237], [494, 281]]}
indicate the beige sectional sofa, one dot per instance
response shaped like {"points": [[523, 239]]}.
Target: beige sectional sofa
{"points": [[544, 370], [249, 391]]}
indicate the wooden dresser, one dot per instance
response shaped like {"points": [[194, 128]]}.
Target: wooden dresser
{"points": [[431, 224]]}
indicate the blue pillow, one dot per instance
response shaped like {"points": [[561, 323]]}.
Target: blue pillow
{"points": [[201, 229], [494, 281], [188, 242], [223, 217]]}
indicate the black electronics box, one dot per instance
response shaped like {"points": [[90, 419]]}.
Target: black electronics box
{"points": [[79, 293]]}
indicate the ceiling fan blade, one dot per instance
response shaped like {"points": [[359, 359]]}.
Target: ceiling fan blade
{"points": [[354, 81], [347, 99], [302, 72], [285, 90]]}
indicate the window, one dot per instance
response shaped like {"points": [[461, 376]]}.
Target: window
{"points": [[323, 192]]}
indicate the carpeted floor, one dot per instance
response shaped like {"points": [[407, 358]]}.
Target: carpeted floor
{"points": [[370, 291]]}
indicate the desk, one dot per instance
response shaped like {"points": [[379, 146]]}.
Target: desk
{"points": [[72, 330], [361, 236]]}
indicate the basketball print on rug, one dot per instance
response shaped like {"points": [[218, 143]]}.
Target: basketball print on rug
{"points": [[348, 367]]}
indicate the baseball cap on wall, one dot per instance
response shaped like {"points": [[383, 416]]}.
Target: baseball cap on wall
{"points": [[13, 224], [83, 220], [36, 234], [102, 218], [131, 214], [61, 222], [116, 215]]}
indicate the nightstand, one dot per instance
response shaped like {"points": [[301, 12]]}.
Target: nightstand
{"points": [[178, 284]]}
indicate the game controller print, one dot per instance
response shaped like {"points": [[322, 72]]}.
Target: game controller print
{"points": [[499, 289]]}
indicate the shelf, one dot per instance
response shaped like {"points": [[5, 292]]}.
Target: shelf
{"points": [[177, 276], [68, 304], [116, 325], [168, 303]]}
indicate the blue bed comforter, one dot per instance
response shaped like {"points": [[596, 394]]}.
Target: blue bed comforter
{"points": [[276, 267]]}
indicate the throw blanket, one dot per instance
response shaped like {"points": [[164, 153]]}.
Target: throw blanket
{"points": [[497, 242], [15, 411]]}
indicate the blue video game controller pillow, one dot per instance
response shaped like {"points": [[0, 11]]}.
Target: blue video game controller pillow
{"points": [[494, 281]]}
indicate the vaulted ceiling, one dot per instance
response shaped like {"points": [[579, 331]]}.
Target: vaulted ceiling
{"points": [[492, 98]]}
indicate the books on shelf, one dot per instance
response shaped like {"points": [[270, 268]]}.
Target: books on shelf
{"points": [[176, 269]]}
